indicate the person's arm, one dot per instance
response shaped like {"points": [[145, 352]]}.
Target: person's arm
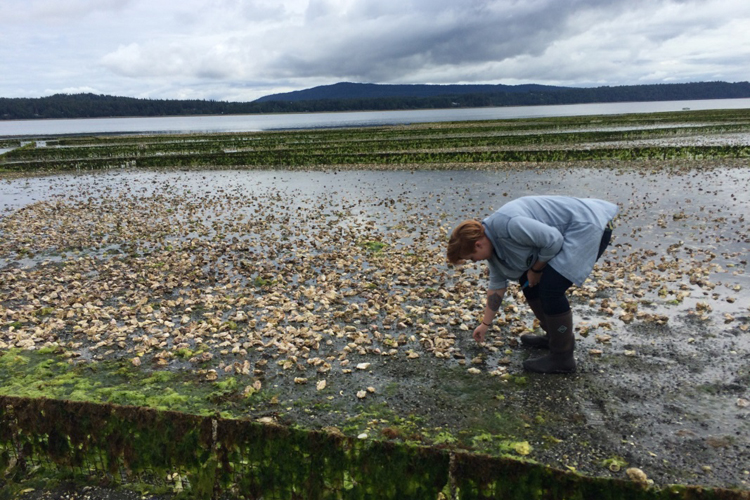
{"points": [[532, 233], [547, 239], [494, 301]]}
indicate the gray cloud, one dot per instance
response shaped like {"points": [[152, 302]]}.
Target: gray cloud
{"points": [[56, 12], [240, 50]]}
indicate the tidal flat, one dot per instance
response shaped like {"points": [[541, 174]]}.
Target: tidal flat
{"points": [[319, 296]]}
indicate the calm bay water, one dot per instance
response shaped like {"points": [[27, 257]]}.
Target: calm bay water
{"points": [[253, 123]]}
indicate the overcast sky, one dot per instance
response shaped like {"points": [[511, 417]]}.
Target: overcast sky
{"points": [[240, 50]]}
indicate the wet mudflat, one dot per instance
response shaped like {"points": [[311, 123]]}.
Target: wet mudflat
{"points": [[323, 299]]}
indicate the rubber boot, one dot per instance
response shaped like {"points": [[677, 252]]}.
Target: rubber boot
{"points": [[561, 345], [537, 341]]}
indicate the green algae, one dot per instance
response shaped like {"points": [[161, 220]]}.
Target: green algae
{"points": [[374, 246], [444, 438], [211, 457], [53, 420], [261, 282], [614, 463], [43, 374]]}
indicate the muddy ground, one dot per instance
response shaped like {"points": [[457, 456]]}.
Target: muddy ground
{"points": [[352, 263]]}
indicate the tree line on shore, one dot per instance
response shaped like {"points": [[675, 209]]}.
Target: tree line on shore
{"points": [[101, 106]]}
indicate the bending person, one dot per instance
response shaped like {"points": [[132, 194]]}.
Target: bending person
{"points": [[547, 243]]}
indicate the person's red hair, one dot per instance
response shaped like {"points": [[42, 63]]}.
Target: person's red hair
{"points": [[463, 240]]}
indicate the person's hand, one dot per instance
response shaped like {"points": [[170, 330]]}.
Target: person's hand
{"points": [[480, 332], [534, 278]]}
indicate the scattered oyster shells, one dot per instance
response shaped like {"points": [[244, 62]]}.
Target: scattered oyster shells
{"points": [[221, 281], [636, 474]]}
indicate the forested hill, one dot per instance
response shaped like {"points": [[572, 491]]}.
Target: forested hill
{"points": [[346, 90], [361, 97]]}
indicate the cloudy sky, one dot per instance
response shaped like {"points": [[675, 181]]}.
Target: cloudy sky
{"points": [[240, 50]]}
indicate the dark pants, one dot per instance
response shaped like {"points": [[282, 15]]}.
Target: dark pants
{"points": [[553, 285]]}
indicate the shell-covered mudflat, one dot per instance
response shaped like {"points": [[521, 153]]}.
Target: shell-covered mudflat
{"points": [[323, 299]]}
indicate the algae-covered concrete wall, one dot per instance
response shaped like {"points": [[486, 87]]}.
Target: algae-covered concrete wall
{"points": [[204, 457]]}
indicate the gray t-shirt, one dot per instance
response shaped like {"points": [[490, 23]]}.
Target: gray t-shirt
{"points": [[564, 232]]}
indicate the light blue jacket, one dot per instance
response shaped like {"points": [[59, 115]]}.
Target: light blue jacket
{"points": [[565, 232]]}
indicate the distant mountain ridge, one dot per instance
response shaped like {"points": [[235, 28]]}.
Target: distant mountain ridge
{"points": [[363, 97], [347, 90]]}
